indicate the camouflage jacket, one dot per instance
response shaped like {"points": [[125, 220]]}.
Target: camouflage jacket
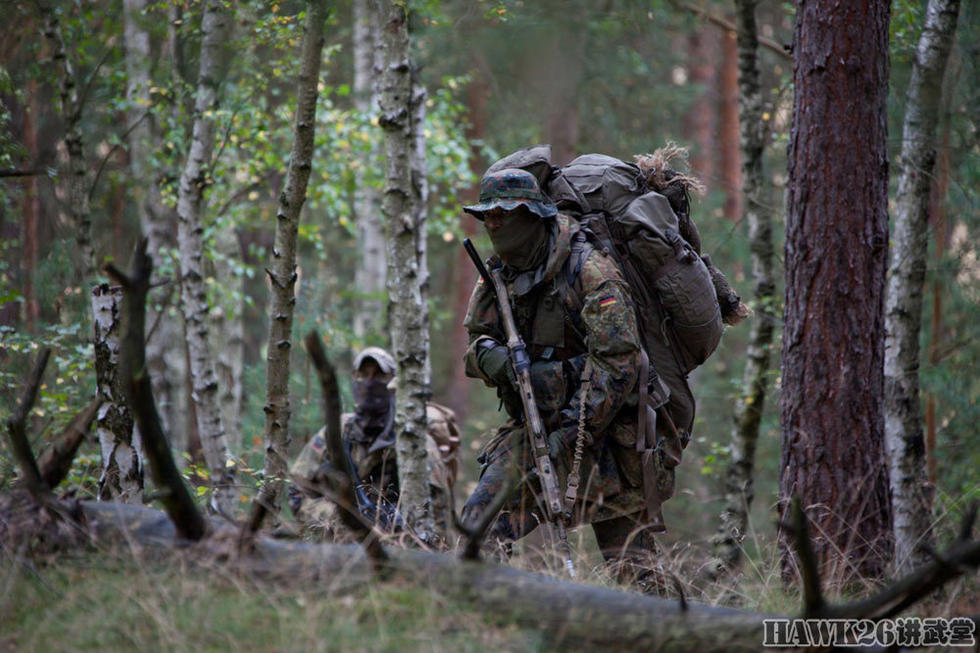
{"points": [[575, 308], [374, 459]]}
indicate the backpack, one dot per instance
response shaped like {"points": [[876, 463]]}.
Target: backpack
{"points": [[676, 291]]}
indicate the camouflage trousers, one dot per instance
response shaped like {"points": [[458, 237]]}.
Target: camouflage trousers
{"points": [[624, 536]]}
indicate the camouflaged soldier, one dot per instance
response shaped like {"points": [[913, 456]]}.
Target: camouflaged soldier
{"points": [[369, 436], [574, 312]]}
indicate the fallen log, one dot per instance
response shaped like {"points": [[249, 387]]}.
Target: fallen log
{"points": [[570, 613]]}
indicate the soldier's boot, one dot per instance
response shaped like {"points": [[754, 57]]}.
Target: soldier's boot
{"points": [[630, 552]]}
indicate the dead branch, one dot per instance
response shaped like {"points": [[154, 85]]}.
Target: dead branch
{"points": [[17, 429], [476, 532], [813, 601], [959, 558], [56, 461], [729, 26], [349, 513], [176, 499]]}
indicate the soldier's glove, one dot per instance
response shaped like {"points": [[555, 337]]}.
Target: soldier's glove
{"points": [[493, 360], [561, 444]]}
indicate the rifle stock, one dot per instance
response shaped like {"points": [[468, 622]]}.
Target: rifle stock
{"points": [[532, 418]]}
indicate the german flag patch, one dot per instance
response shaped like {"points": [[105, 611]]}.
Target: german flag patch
{"points": [[607, 302]]}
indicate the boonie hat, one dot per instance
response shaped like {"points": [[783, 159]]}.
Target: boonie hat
{"points": [[509, 188]]}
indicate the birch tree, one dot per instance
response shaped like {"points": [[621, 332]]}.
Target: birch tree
{"points": [[283, 273], [911, 493], [215, 33], [122, 464], [372, 267], [407, 311], [749, 406], [831, 406]]}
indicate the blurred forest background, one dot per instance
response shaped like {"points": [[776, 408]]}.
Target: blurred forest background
{"points": [[620, 77]]}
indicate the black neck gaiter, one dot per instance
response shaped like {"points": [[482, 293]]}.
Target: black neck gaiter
{"points": [[521, 241], [373, 405]]}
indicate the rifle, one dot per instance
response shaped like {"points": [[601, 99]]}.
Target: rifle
{"points": [[532, 418], [385, 515]]}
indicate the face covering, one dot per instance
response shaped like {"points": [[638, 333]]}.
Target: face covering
{"points": [[373, 401], [521, 241]]}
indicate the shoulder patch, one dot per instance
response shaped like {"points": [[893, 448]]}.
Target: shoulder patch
{"points": [[318, 443], [607, 301]]}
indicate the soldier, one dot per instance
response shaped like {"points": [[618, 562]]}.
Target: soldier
{"points": [[369, 436], [573, 310]]}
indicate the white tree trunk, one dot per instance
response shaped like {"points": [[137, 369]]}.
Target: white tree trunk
{"points": [[910, 489], [164, 349], [372, 266], [283, 273], [216, 26], [122, 462], [228, 334], [406, 309]]}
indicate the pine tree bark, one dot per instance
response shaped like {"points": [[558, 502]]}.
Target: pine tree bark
{"points": [[831, 402], [164, 349], [122, 461], [283, 273], [700, 119], [749, 406], [71, 111], [407, 311], [215, 29], [911, 493], [372, 270], [728, 126]]}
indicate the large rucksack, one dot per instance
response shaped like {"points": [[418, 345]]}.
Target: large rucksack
{"points": [[678, 293]]}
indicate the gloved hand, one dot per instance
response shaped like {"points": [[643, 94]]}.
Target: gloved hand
{"points": [[559, 445], [493, 360]]}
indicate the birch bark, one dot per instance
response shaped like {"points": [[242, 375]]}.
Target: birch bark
{"points": [[911, 493], [215, 29], [406, 309], [372, 270], [122, 465], [283, 273]]}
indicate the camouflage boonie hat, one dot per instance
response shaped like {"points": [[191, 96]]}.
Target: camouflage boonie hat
{"points": [[378, 355], [509, 188]]}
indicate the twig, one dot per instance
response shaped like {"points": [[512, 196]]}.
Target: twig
{"points": [[961, 556], [22, 173], [177, 501], [55, 463], [728, 25], [341, 478], [112, 150], [17, 429], [477, 532], [813, 601]]}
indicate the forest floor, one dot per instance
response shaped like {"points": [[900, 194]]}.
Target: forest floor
{"points": [[120, 601]]}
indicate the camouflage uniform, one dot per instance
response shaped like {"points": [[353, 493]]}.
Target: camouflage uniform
{"points": [[572, 311]]}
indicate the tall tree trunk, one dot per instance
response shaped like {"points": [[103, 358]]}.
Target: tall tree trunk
{"points": [[122, 463], [749, 406], [32, 215], [164, 349], [564, 62], [937, 212], [71, 111], [215, 29], [831, 403], [911, 494], [420, 188], [283, 273], [372, 270], [699, 121], [228, 333], [406, 309], [728, 126]]}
